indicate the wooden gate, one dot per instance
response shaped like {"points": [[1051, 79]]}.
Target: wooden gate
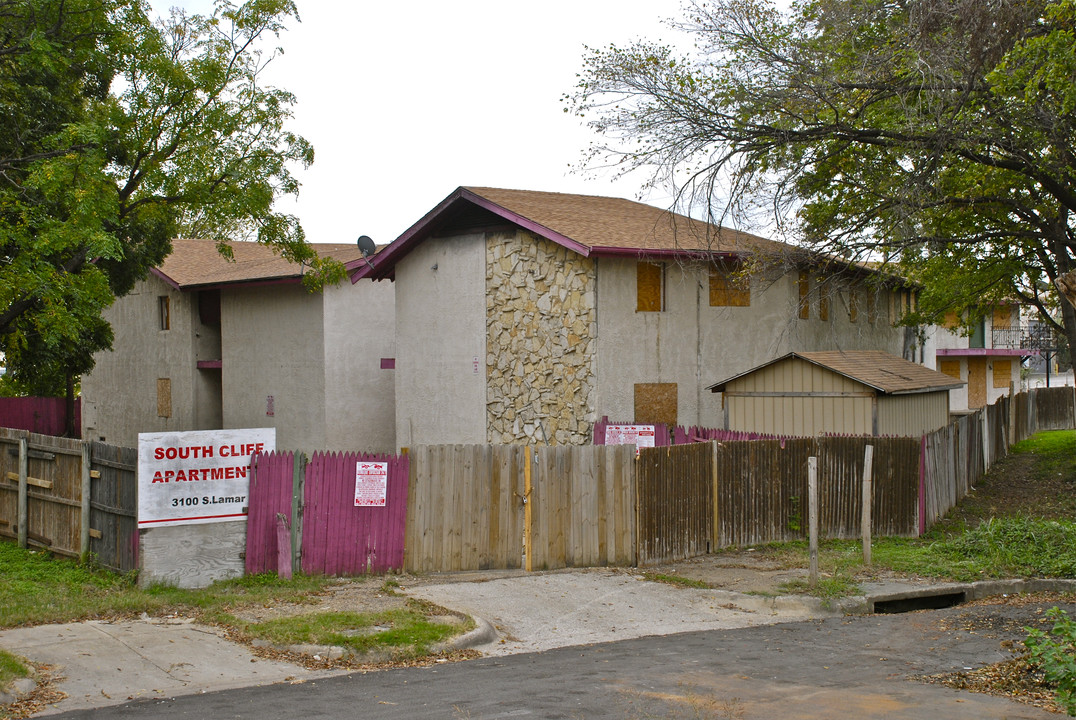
{"points": [[328, 533]]}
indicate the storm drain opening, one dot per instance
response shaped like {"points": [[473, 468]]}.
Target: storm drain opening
{"points": [[920, 602]]}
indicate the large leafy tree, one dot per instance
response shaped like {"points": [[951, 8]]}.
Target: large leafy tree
{"points": [[122, 131], [934, 134]]}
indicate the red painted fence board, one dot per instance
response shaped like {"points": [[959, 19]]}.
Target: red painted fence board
{"points": [[338, 538], [44, 415], [342, 539], [270, 493]]}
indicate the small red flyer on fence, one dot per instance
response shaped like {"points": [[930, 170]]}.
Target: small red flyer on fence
{"points": [[371, 483]]}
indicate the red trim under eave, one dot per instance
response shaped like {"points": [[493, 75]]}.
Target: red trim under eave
{"points": [[210, 364], [663, 252], [383, 264], [985, 352]]}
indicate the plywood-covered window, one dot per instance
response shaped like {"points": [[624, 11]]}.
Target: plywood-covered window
{"points": [[164, 397], [1002, 373], [805, 296], [655, 403], [650, 287], [951, 321], [950, 368], [853, 304], [164, 312], [823, 300], [1002, 319], [729, 288]]}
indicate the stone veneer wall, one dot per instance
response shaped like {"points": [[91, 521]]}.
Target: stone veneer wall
{"points": [[540, 341]]}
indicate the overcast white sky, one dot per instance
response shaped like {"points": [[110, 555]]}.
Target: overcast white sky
{"points": [[406, 101]]}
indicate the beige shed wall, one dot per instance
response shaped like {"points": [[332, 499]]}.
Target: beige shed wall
{"points": [[915, 414], [441, 342], [272, 344], [840, 405], [120, 395]]}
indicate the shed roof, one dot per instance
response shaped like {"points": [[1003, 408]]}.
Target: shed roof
{"points": [[586, 224], [197, 263], [885, 373]]}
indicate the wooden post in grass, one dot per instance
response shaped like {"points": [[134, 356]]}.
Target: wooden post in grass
{"points": [[812, 514], [21, 517], [865, 518]]}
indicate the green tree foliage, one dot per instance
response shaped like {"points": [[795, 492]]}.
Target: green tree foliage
{"points": [[120, 133], [933, 134]]}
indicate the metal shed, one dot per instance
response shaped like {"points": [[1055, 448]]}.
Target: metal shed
{"points": [[867, 392]]}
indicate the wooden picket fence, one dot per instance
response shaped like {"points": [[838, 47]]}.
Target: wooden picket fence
{"points": [[487, 507], [70, 497]]}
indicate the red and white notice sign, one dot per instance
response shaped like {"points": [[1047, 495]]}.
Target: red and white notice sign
{"points": [[371, 483], [638, 435]]}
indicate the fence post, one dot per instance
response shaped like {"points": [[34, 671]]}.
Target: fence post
{"points": [[21, 511], [84, 530], [528, 529], [865, 521], [298, 487], [812, 514]]}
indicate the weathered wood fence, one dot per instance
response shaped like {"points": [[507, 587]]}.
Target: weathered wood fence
{"points": [[484, 507], [475, 507], [71, 497]]}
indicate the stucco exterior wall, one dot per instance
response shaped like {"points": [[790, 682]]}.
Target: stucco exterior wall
{"points": [[441, 342], [272, 345], [540, 315], [120, 395], [695, 345], [360, 399]]}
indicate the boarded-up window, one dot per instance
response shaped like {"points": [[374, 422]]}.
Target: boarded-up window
{"points": [[823, 300], [872, 306], [805, 296], [649, 283], [1002, 319], [952, 320], [655, 403], [1002, 373], [165, 312], [853, 304], [729, 288], [950, 368], [164, 397]]}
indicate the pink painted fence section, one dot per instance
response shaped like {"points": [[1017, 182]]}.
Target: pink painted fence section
{"points": [[342, 539], [44, 415], [270, 493]]}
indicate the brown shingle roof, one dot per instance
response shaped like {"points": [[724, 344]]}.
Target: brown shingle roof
{"points": [[195, 263], [614, 223], [586, 224], [880, 370]]}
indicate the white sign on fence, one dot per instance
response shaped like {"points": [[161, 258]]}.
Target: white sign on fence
{"points": [[197, 477], [638, 435], [371, 483]]}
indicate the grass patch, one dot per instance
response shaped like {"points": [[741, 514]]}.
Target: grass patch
{"points": [[12, 668], [39, 588], [678, 580], [405, 633]]}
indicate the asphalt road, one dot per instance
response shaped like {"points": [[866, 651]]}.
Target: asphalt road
{"points": [[848, 667]]}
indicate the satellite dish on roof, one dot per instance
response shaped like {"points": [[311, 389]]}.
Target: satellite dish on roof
{"points": [[366, 245]]}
